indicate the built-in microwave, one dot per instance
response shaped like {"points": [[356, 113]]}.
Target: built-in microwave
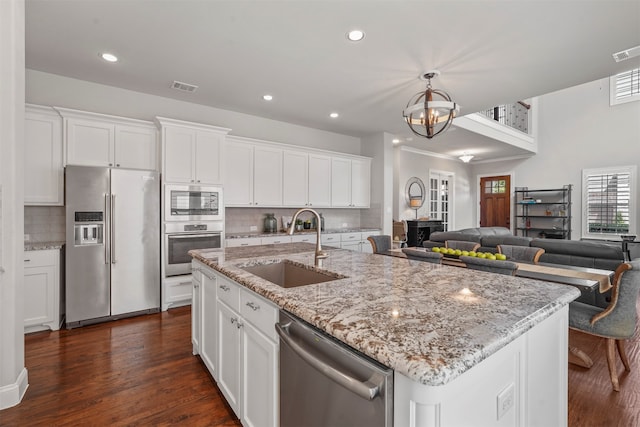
{"points": [[193, 203]]}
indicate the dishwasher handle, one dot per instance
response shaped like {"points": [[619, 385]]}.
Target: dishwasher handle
{"points": [[365, 390]]}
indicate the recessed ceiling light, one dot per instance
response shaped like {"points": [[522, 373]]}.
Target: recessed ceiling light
{"points": [[267, 97], [334, 115], [355, 35], [395, 141], [109, 57]]}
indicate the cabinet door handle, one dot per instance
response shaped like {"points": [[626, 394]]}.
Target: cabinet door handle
{"points": [[253, 306], [224, 288], [27, 260], [244, 244], [236, 321]]}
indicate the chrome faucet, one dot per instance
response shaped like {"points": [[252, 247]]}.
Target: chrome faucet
{"points": [[320, 254]]}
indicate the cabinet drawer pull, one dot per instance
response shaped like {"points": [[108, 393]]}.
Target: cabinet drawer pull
{"points": [[224, 288], [27, 260], [244, 244], [253, 306]]}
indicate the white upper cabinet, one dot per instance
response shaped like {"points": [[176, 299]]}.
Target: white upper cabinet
{"points": [[295, 175], [267, 176], [238, 177], [253, 173], [306, 179], [93, 139], [192, 152], [350, 182], [340, 182], [319, 180], [136, 147], [43, 170]]}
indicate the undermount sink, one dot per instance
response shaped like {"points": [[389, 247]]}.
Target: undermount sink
{"points": [[290, 274]]}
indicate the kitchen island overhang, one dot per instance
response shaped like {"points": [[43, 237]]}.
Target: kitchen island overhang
{"points": [[427, 321]]}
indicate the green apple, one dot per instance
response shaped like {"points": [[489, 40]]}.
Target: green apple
{"points": [[481, 255], [458, 252], [491, 256], [436, 249], [473, 253], [465, 253], [451, 251], [501, 257]]}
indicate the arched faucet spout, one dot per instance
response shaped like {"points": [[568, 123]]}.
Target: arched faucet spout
{"points": [[320, 254]]}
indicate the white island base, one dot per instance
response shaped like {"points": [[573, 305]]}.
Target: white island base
{"points": [[522, 384]]}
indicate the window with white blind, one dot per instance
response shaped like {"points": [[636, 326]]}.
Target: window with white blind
{"points": [[441, 197], [625, 87], [608, 202]]}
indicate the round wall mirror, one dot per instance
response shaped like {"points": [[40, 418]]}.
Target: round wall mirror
{"points": [[414, 193]]}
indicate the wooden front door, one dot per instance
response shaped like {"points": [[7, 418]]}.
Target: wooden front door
{"points": [[495, 201]]}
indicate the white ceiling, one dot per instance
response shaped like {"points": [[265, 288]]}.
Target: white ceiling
{"points": [[489, 53]]}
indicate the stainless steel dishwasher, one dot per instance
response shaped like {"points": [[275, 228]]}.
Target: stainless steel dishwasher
{"points": [[324, 383]]}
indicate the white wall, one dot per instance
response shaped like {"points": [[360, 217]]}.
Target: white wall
{"points": [[13, 374], [412, 162], [51, 89], [577, 130]]}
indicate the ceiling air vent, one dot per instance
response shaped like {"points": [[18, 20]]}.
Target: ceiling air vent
{"points": [[626, 54], [185, 87]]}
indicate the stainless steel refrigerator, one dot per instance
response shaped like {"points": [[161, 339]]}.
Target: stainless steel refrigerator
{"points": [[112, 245]]}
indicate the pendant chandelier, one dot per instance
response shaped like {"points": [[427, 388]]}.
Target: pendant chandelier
{"points": [[426, 116]]}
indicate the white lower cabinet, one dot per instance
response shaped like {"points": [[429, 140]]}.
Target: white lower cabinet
{"points": [[176, 291], [239, 346], [351, 241], [243, 241], [196, 306], [209, 335], [41, 290]]}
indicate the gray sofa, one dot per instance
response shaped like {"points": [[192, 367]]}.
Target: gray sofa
{"points": [[591, 254]]}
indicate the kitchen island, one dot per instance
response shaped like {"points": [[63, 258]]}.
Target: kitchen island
{"points": [[432, 325]]}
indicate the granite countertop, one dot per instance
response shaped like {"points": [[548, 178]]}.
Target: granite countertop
{"points": [[284, 233], [412, 316], [42, 246]]}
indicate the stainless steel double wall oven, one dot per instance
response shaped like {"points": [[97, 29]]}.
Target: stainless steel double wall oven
{"points": [[194, 219]]}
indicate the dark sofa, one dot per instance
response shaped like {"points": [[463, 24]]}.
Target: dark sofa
{"points": [[580, 253]]}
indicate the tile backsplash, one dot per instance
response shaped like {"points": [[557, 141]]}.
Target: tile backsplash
{"points": [[240, 220], [44, 223], [47, 223]]}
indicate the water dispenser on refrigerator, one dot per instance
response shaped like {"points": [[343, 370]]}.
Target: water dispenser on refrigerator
{"points": [[89, 228]]}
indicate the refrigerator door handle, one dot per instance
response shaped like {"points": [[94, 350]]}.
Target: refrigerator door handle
{"points": [[107, 231], [113, 227]]}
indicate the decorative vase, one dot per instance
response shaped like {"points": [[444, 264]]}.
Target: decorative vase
{"points": [[270, 223]]}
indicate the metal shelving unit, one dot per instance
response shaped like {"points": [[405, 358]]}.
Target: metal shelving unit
{"points": [[543, 212]]}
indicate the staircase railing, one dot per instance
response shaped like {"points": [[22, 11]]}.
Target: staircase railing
{"points": [[514, 115]]}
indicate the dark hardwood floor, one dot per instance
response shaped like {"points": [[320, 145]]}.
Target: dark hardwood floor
{"points": [[140, 371], [135, 372]]}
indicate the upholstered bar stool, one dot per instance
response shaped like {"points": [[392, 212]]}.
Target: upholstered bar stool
{"points": [[521, 253], [426, 256], [380, 243], [616, 322], [462, 245]]}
